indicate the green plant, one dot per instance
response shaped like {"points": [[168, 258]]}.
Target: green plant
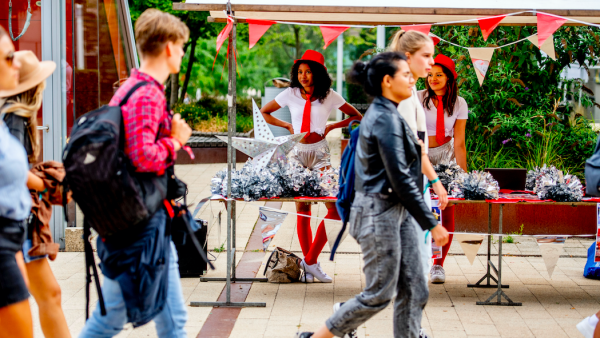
{"points": [[510, 239], [220, 249], [525, 115]]}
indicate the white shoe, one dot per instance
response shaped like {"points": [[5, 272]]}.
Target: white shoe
{"points": [[317, 272], [307, 278], [423, 334], [352, 333], [586, 328], [438, 275]]}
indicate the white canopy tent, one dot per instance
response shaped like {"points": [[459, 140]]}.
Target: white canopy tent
{"points": [[377, 12]]}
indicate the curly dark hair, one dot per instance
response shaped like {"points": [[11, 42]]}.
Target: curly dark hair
{"points": [[321, 79], [451, 96]]}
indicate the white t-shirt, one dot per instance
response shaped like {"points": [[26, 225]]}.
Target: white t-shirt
{"points": [[412, 112], [319, 112], [461, 112]]}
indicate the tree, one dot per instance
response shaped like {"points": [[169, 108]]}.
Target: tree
{"points": [[199, 29]]}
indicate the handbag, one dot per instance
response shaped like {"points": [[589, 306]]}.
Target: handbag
{"points": [[283, 267]]}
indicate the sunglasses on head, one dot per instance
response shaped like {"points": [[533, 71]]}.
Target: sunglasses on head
{"points": [[9, 58]]}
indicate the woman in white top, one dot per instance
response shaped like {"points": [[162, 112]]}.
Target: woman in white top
{"points": [[311, 100], [446, 114]]}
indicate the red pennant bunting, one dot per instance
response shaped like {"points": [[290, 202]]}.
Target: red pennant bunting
{"points": [[547, 25], [331, 33], [421, 28], [488, 25], [435, 39], [223, 36], [257, 28]]}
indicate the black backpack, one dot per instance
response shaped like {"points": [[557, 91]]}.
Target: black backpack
{"points": [[592, 172], [111, 195]]}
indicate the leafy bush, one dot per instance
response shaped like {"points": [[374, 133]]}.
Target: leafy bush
{"points": [[519, 117], [210, 114]]}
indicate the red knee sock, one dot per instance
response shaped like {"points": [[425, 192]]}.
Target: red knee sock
{"points": [[448, 223], [304, 231], [320, 238]]}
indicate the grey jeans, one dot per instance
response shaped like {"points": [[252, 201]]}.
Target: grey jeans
{"points": [[392, 267]]}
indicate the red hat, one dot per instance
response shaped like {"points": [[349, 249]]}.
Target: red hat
{"points": [[313, 55], [447, 62]]}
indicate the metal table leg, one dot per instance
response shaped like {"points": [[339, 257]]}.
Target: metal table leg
{"points": [[499, 293], [490, 265]]}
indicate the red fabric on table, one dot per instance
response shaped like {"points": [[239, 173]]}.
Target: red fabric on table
{"points": [[315, 198]]}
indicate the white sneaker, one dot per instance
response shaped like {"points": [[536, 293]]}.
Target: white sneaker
{"points": [[317, 272], [423, 334], [307, 278], [352, 333], [438, 275], [586, 328]]}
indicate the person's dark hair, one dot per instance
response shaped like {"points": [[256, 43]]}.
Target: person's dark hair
{"points": [[449, 99], [370, 75], [321, 79]]}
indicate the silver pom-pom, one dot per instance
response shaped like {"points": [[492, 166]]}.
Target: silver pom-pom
{"points": [[553, 185], [447, 172], [475, 185], [279, 179], [536, 173]]}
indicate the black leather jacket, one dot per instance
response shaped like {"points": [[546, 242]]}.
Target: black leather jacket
{"points": [[388, 160]]}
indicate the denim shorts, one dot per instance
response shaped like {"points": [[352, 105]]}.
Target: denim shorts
{"points": [[26, 246], [12, 284]]}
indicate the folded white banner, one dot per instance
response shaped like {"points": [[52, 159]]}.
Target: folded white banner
{"points": [[547, 47], [551, 248], [470, 245], [270, 221]]}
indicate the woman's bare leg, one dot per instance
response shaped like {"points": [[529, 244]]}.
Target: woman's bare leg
{"points": [[324, 332], [15, 320], [46, 291]]}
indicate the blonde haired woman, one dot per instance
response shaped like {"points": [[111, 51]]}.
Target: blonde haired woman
{"points": [[21, 106]]}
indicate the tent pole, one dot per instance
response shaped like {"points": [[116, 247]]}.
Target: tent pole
{"points": [[231, 205]]}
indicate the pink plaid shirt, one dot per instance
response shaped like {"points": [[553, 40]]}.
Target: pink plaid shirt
{"points": [[148, 141]]}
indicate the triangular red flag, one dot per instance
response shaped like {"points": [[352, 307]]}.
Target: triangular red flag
{"points": [[421, 28], [488, 25], [331, 33], [547, 24], [435, 39], [257, 28], [223, 36]]}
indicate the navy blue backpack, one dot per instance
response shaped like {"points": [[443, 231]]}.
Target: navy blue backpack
{"points": [[345, 196]]}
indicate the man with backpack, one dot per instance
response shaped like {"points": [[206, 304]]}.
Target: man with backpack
{"points": [[140, 263]]}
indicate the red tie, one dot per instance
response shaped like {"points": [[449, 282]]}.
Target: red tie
{"points": [[440, 131], [306, 116]]}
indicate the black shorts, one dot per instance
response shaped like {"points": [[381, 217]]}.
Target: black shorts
{"points": [[12, 283]]}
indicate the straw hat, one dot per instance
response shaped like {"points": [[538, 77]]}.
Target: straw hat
{"points": [[32, 72]]}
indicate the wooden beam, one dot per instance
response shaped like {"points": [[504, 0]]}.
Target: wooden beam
{"points": [[375, 10], [378, 19]]}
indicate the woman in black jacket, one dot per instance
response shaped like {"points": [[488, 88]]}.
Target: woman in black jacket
{"points": [[388, 187]]}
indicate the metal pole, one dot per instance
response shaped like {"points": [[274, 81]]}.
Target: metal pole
{"points": [[500, 256], [233, 93], [340, 72], [380, 36], [230, 150], [489, 254]]}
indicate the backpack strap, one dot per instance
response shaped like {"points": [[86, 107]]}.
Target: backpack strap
{"points": [[131, 91], [90, 263]]}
